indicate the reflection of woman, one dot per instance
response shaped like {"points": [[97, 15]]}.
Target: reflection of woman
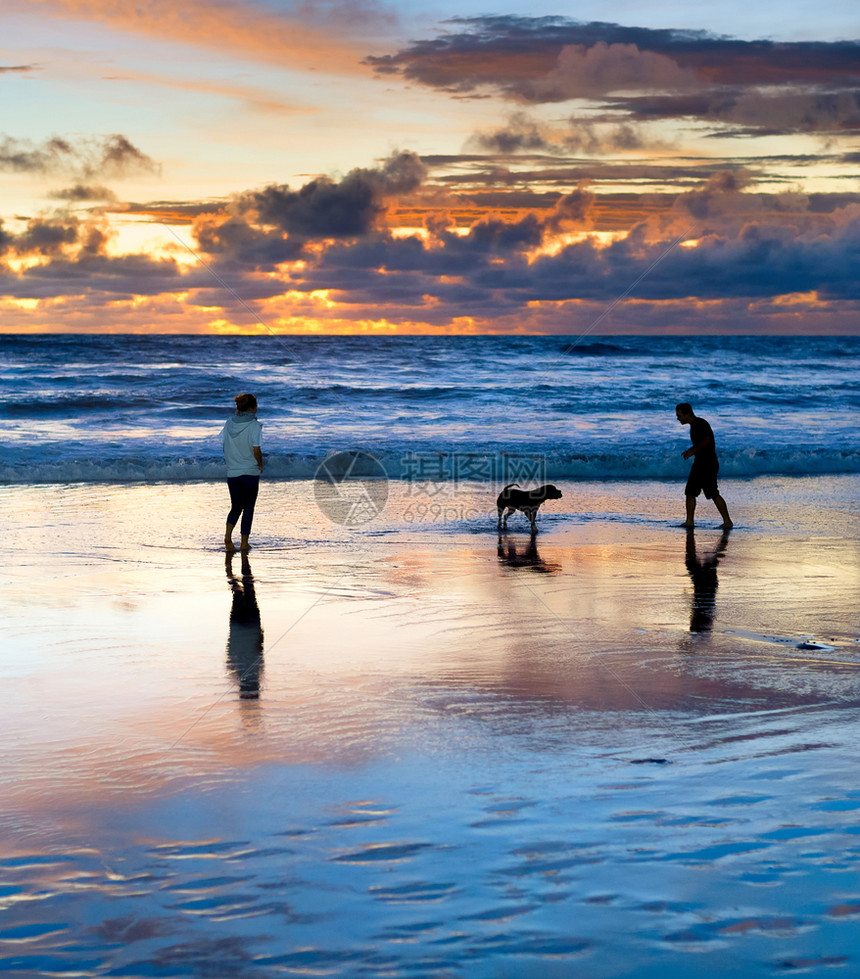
{"points": [[241, 440], [245, 642]]}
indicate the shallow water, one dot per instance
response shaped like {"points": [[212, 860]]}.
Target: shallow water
{"points": [[458, 755]]}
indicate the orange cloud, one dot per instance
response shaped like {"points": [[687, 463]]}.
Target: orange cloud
{"points": [[227, 25], [252, 97]]}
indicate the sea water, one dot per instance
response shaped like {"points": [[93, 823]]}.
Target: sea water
{"points": [[108, 408]]}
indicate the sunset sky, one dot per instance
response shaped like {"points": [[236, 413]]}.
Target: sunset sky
{"points": [[191, 166]]}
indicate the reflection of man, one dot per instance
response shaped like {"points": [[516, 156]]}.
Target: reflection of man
{"points": [[703, 472], [703, 572], [245, 642]]}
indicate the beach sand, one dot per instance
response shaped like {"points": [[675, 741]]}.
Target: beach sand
{"points": [[621, 751]]}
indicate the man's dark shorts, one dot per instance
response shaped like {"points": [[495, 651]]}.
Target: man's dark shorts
{"points": [[703, 479]]}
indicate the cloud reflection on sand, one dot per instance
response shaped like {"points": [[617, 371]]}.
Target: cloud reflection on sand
{"points": [[370, 641]]}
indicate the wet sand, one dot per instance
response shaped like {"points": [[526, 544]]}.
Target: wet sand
{"points": [[419, 748]]}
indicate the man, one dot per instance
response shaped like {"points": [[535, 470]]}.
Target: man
{"points": [[703, 472]]}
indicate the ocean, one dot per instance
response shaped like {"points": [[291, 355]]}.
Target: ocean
{"points": [[489, 408]]}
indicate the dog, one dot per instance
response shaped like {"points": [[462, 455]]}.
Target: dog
{"points": [[529, 501]]}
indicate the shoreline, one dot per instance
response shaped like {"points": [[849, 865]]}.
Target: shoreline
{"points": [[309, 469], [669, 480]]}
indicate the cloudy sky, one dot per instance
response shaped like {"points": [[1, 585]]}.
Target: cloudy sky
{"points": [[368, 166]]}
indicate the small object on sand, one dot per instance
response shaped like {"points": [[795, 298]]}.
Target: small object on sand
{"points": [[649, 761]]}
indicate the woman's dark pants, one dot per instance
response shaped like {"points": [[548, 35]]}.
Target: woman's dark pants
{"points": [[243, 496]]}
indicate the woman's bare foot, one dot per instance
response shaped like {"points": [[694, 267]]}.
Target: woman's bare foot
{"points": [[228, 543], [727, 525], [244, 546]]}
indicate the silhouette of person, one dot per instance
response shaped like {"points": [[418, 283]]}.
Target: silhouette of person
{"points": [[528, 558], [245, 641], [703, 472], [703, 573], [241, 438]]}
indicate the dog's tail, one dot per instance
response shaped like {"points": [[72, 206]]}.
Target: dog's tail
{"points": [[509, 486]]}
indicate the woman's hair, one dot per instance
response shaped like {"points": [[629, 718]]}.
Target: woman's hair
{"points": [[245, 402]]}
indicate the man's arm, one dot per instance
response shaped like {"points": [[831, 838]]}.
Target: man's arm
{"points": [[706, 443]]}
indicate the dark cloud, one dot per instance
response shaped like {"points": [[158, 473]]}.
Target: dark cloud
{"points": [[521, 134], [712, 197], [17, 68], [515, 53], [400, 173], [572, 211], [266, 227], [727, 204], [123, 276], [6, 239], [325, 208], [93, 240], [116, 156], [236, 241], [172, 211], [63, 236], [494, 236], [525, 135], [754, 111], [46, 237], [592, 139], [85, 274], [231, 291], [108, 156], [820, 203], [22, 155], [473, 170], [83, 192], [639, 74]]}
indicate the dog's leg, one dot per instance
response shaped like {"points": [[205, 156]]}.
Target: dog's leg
{"points": [[508, 512], [530, 513], [501, 510]]}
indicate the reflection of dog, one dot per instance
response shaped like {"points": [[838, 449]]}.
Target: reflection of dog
{"points": [[528, 557], [511, 500]]}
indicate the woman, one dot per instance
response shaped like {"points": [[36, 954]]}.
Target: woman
{"points": [[241, 440]]}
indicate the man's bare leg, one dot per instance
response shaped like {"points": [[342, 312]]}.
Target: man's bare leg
{"points": [[720, 504], [691, 511]]}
